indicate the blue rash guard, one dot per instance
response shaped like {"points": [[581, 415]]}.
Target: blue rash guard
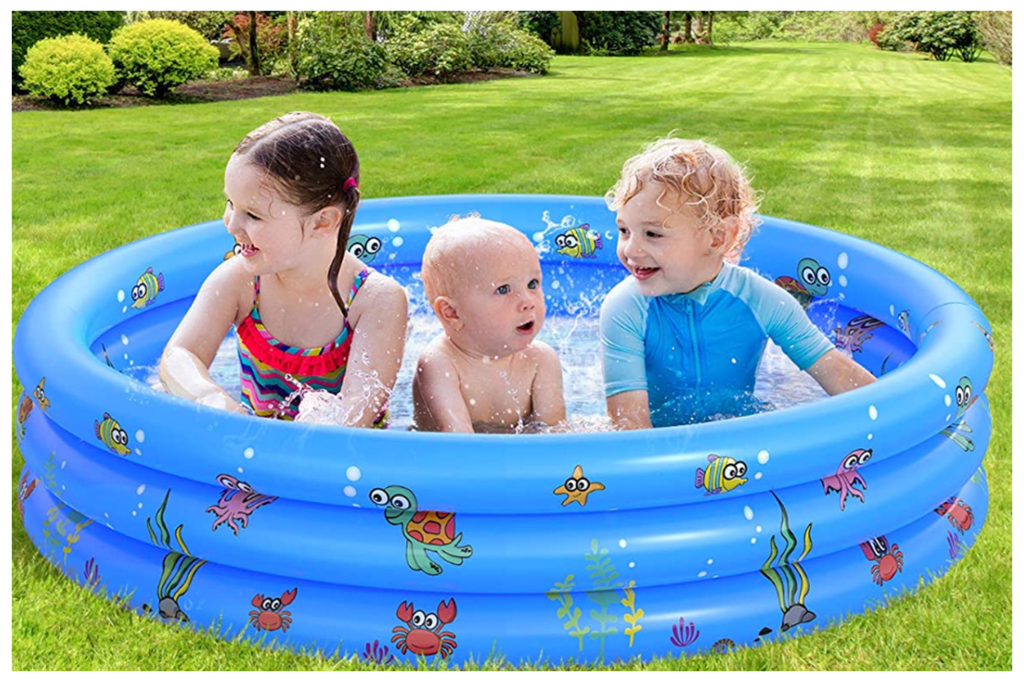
{"points": [[696, 354]]}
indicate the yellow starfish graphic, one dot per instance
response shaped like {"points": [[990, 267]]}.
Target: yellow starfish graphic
{"points": [[577, 488]]}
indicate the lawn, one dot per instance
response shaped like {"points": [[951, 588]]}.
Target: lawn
{"points": [[894, 148]]}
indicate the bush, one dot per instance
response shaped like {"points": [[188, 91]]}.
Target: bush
{"points": [[28, 28], [940, 34], [210, 25], [889, 38], [442, 49], [333, 53], [68, 70], [619, 33], [544, 25], [996, 29], [873, 32], [159, 54], [271, 40], [502, 44]]}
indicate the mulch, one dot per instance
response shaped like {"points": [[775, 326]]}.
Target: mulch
{"points": [[197, 92]]}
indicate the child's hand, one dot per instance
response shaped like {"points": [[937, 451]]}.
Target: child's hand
{"points": [[222, 401]]}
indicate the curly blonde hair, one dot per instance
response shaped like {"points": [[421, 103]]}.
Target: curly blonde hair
{"points": [[697, 175]]}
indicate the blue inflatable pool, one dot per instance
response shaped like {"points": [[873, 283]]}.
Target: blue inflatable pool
{"points": [[396, 545]]}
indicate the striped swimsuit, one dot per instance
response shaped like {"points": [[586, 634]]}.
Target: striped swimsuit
{"points": [[267, 363]]}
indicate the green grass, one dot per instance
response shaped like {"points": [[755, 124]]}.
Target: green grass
{"points": [[906, 152]]}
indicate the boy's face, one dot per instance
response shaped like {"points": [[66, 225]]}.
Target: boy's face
{"points": [[666, 252], [500, 301]]}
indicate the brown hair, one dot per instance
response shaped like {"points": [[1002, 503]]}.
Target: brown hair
{"points": [[309, 160], [695, 174]]}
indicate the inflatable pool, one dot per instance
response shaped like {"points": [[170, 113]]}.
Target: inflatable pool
{"points": [[405, 546]]}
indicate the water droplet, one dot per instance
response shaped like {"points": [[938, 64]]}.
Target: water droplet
{"points": [[763, 457], [873, 412], [870, 436], [472, 401], [622, 543], [757, 476], [124, 308], [138, 452], [134, 513], [397, 241], [843, 261], [753, 541], [125, 356], [556, 284], [710, 561], [140, 505], [248, 453], [353, 473], [63, 464], [120, 296], [734, 361], [632, 564], [702, 574], [748, 513], [842, 280], [892, 309], [938, 380], [124, 340], [350, 491], [949, 401], [394, 225], [140, 436], [240, 470], [757, 528]]}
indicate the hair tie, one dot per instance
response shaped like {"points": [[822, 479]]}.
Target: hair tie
{"points": [[350, 183]]}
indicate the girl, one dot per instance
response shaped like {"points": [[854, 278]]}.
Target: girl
{"points": [[306, 312], [683, 335]]}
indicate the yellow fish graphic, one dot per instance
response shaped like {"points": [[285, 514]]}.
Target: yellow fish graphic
{"points": [[579, 242], [148, 286], [721, 475], [112, 435]]}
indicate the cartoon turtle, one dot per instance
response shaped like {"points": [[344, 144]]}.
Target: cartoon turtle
{"points": [[423, 530], [364, 247], [813, 282]]}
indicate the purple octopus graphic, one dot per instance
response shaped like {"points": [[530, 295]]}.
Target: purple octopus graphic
{"points": [[684, 634], [236, 503], [852, 337], [847, 476]]}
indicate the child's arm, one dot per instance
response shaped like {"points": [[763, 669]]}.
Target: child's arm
{"points": [[630, 410], [838, 374], [376, 353], [184, 366], [437, 386], [547, 396]]}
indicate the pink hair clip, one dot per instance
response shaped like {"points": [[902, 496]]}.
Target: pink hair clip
{"points": [[350, 183]]}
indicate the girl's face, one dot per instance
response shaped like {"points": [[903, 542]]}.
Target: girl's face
{"points": [[270, 231], [667, 252]]}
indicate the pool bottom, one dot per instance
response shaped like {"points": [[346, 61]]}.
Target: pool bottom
{"points": [[589, 615]]}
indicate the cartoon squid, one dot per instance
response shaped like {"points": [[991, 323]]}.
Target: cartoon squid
{"points": [[236, 503], [847, 476], [179, 569], [789, 580]]}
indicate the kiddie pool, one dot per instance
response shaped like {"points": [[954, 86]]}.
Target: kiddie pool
{"points": [[271, 529]]}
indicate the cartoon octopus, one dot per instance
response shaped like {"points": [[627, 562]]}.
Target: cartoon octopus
{"points": [[960, 515], [270, 616], [236, 503], [889, 558], [847, 476], [852, 337], [424, 636]]}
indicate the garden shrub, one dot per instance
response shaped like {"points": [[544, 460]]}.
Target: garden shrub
{"points": [[996, 29], [873, 32], [619, 33], [941, 34], [28, 28], [159, 54], [68, 70], [271, 39], [332, 52], [544, 25], [439, 48], [502, 44], [210, 25]]}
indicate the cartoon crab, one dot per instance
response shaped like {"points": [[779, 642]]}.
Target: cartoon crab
{"points": [[424, 636], [814, 281], [852, 337], [960, 515], [236, 503], [24, 410], [423, 530], [889, 558], [847, 476], [270, 616], [25, 489]]}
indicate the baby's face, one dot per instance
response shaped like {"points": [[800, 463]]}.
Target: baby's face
{"points": [[500, 299], [667, 252]]}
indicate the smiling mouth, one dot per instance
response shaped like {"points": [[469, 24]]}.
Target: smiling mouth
{"points": [[644, 273], [526, 328], [248, 250]]}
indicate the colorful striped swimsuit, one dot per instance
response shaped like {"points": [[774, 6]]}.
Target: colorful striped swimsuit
{"points": [[267, 389]]}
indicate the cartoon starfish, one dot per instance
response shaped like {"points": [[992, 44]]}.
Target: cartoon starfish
{"points": [[577, 488]]}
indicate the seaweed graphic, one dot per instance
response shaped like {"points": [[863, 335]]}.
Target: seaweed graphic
{"points": [[562, 594], [57, 530], [91, 573], [634, 614], [179, 568], [980, 479], [789, 578], [603, 575], [378, 654], [957, 547], [51, 472], [684, 634]]}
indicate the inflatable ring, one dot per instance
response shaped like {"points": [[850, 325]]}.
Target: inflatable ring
{"points": [[589, 546]]}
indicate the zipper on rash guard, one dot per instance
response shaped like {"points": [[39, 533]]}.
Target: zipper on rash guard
{"points": [[696, 345]]}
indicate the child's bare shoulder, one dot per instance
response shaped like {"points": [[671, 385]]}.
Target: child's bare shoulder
{"points": [[380, 294], [231, 279], [543, 357], [436, 357]]}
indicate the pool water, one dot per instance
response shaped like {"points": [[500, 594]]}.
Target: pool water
{"points": [[577, 342]]}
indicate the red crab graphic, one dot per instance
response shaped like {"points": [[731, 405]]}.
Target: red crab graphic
{"points": [[270, 616], [424, 635], [958, 513], [889, 558]]}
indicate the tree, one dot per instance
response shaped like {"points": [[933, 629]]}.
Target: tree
{"points": [[666, 30]]}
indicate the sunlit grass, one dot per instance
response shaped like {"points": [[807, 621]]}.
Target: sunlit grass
{"points": [[894, 148]]}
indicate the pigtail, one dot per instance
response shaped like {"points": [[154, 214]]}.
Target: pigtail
{"points": [[344, 230]]}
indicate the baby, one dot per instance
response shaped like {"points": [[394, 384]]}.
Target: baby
{"points": [[683, 334], [485, 373]]}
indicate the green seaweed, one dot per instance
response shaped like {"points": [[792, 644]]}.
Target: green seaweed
{"points": [[788, 578], [634, 615], [562, 594], [603, 575], [61, 533], [51, 472]]}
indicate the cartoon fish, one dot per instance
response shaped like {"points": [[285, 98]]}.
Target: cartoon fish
{"points": [[148, 287], [40, 396], [363, 247], [112, 435], [579, 242], [721, 475]]}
